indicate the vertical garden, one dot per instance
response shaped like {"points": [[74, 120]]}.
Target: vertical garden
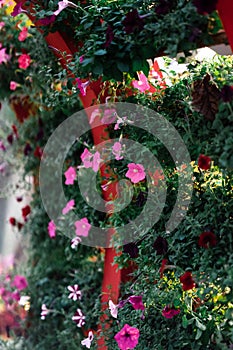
{"points": [[128, 161]]}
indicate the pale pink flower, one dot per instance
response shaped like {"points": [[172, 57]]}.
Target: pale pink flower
{"points": [[113, 309], [79, 318], [117, 150], [62, 5], [44, 311], [86, 158], [94, 114], [70, 176], [109, 116], [136, 172], [69, 206], [142, 84], [2, 25], [52, 229], [96, 161], [75, 292], [120, 121], [23, 34], [4, 57], [82, 227], [24, 61], [87, 342], [82, 86], [75, 242], [13, 85], [127, 337], [20, 282]]}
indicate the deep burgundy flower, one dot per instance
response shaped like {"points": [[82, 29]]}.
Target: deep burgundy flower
{"points": [[12, 221], [109, 36], [164, 7], [227, 93], [204, 162], [19, 225], [10, 139], [132, 22], [207, 239], [187, 281], [169, 312], [26, 211], [15, 130], [47, 20], [27, 149], [131, 249], [38, 152], [205, 6], [160, 245]]}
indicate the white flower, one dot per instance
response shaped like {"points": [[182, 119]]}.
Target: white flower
{"points": [[24, 300], [75, 242], [87, 342], [75, 292], [79, 318], [44, 311], [113, 309]]}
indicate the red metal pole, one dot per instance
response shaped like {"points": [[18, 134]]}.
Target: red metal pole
{"points": [[225, 10]]}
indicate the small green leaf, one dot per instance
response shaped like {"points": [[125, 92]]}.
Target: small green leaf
{"points": [[123, 67], [100, 52]]}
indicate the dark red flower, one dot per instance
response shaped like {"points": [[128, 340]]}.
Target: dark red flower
{"points": [[47, 20], [27, 149], [164, 7], [163, 267], [205, 6], [207, 239], [132, 22], [227, 93], [187, 281], [12, 221], [204, 162], [109, 36], [38, 152], [160, 245], [26, 211], [169, 312], [10, 139], [19, 225], [131, 249], [136, 302], [15, 130]]}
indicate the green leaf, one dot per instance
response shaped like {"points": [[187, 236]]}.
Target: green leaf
{"points": [[200, 325], [122, 66], [184, 322], [100, 52]]}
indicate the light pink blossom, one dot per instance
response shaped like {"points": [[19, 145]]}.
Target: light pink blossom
{"points": [[44, 311], [69, 206], [109, 116], [142, 84], [2, 25], [62, 5], [86, 158], [113, 309], [70, 176], [87, 342], [136, 172], [82, 227], [23, 34], [24, 61], [75, 242], [120, 121], [96, 161], [127, 337], [13, 85], [79, 318], [75, 292], [52, 229], [117, 150], [4, 57]]}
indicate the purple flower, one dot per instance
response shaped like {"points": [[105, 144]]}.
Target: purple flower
{"points": [[170, 312], [75, 292], [18, 9], [20, 282], [127, 337], [136, 302], [160, 245], [131, 249], [164, 7], [47, 20], [82, 86], [132, 22], [205, 6], [79, 318], [227, 93]]}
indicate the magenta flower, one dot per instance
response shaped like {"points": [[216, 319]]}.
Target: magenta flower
{"points": [[70, 176], [142, 84], [136, 172], [117, 150], [75, 242], [69, 206], [47, 20], [24, 61], [136, 301], [4, 57], [23, 34], [52, 229], [75, 292], [113, 309], [18, 9], [127, 337], [82, 227], [44, 311], [170, 312], [86, 158], [87, 342], [82, 86], [20, 282], [13, 85], [79, 318]]}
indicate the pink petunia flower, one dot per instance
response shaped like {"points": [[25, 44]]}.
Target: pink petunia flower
{"points": [[44, 311], [142, 84], [75, 292], [75, 242], [127, 337], [82, 86], [87, 342], [4, 57], [82, 227], [96, 161], [170, 312], [18, 9], [20, 282], [2, 24], [70, 176], [24, 61], [79, 318], [109, 116], [117, 150], [136, 172], [113, 309], [136, 302], [69, 206], [62, 5], [52, 229], [23, 34], [86, 158], [13, 85]]}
